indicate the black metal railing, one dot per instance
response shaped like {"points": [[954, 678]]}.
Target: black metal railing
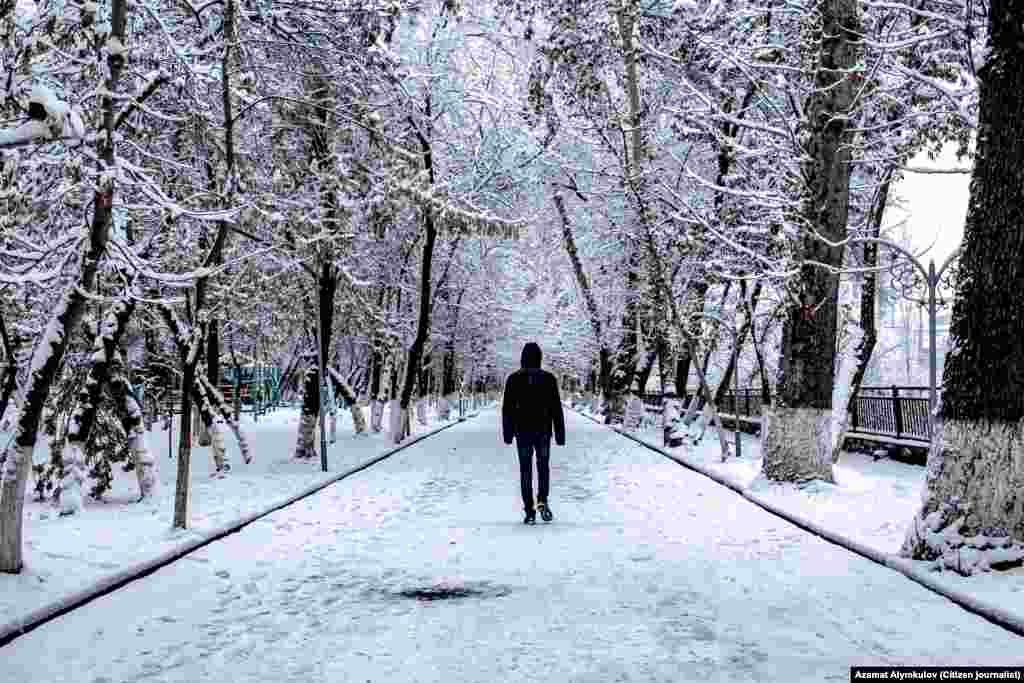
{"points": [[895, 412]]}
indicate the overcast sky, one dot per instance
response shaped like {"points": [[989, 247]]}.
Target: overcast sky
{"points": [[936, 204]]}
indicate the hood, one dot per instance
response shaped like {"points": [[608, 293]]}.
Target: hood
{"points": [[531, 355]]}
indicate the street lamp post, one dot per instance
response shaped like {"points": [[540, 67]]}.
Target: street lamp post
{"points": [[323, 386], [932, 278]]}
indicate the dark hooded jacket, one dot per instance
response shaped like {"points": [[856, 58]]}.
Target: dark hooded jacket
{"points": [[532, 406]]}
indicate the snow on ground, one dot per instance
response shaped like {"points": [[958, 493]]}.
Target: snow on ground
{"points": [[649, 572], [67, 554], [872, 502]]}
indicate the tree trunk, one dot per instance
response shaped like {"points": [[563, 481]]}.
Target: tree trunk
{"points": [[327, 284], [643, 375], [343, 389], [797, 433], [150, 374], [9, 376], [605, 368], [221, 413], [423, 325], [726, 384], [663, 364], [202, 427], [716, 326], [424, 392], [216, 258], [64, 321], [305, 444], [87, 400], [206, 415], [692, 326], [973, 511], [625, 359], [130, 414], [762, 370], [182, 488], [449, 384], [869, 334], [190, 340]]}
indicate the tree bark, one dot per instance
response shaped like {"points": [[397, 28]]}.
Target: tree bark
{"points": [[189, 340], [623, 362], [692, 326], [305, 445], [869, 333], [423, 324], [219, 410], [643, 375], [9, 378], [343, 389], [741, 336], [64, 321], [798, 434], [973, 511], [130, 414], [604, 378]]}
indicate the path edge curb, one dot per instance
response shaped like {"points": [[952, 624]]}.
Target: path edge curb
{"points": [[992, 613], [108, 584]]}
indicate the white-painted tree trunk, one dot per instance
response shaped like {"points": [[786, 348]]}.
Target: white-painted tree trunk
{"points": [[444, 408], [217, 450], [358, 418], [797, 444], [377, 415], [634, 413], [145, 465], [332, 426], [305, 445], [846, 367], [243, 443], [395, 421], [399, 425], [145, 462], [12, 504], [421, 411], [669, 422], [973, 512], [73, 458]]}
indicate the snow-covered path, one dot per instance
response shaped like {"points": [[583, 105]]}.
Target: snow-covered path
{"points": [[649, 572]]}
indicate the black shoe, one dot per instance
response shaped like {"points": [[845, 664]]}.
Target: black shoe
{"points": [[545, 512], [531, 517]]}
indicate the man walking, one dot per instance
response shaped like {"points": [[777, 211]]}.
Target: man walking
{"points": [[530, 412]]}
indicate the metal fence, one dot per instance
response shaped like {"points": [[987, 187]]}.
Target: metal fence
{"points": [[897, 412], [894, 412], [749, 401]]}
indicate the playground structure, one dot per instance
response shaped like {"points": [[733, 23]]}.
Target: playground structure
{"points": [[257, 386]]}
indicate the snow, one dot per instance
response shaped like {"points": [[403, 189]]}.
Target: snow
{"points": [[872, 504], [67, 554], [46, 97], [649, 572], [685, 6]]}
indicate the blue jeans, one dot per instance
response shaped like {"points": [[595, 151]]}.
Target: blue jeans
{"points": [[528, 445]]}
